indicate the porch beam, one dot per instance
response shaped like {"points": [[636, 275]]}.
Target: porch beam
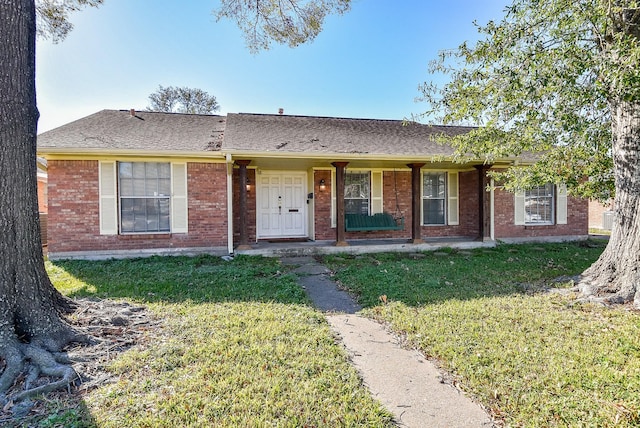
{"points": [[243, 244], [416, 197], [340, 182]]}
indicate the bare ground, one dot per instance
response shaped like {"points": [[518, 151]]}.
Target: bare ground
{"points": [[115, 327]]}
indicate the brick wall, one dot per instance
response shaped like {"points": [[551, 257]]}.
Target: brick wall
{"points": [[577, 219], [322, 206], [74, 211], [399, 183]]}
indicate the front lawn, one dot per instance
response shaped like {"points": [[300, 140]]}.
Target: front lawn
{"points": [[529, 355], [239, 345]]}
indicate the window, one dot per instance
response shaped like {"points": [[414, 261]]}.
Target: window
{"points": [[144, 192], [434, 197], [141, 197], [538, 205], [541, 205], [357, 193]]}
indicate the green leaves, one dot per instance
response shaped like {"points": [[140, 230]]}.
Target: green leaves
{"points": [[290, 22], [541, 82], [53, 16], [183, 100]]}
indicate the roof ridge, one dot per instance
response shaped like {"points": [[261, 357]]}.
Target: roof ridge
{"points": [[351, 119]]}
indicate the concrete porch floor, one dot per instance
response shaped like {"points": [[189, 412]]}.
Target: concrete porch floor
{"points": [[359, 246]]}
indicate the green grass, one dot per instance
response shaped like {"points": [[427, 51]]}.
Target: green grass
{"points": [[240, 346], [532, 357]]}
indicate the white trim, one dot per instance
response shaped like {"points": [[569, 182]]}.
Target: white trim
{"points": [[492, 210], [229, 204]]}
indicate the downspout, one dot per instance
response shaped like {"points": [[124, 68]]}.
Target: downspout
{"points": [[229, 203]]}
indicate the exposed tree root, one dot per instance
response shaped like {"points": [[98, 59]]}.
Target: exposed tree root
{"points": [[610, 290], [102, 330]]}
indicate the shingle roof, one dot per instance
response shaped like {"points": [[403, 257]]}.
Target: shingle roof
{"points": [[114, 130], [304, 134], [153, 132]]}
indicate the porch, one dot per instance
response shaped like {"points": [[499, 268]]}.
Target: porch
{"points": [[360, 246]]}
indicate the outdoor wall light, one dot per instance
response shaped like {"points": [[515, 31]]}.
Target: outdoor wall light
{"points": [[248, 184], [323, 184]]}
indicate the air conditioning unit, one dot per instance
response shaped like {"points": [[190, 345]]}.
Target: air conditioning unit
{"points": [[607, 220]]}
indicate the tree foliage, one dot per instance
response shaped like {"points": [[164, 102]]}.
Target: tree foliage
{"points": [[182, 100], [290, 22], [558, 83], [53, 16], [542, 81], [33, 330]]}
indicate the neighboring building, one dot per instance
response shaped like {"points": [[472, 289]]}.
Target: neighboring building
{"points": [[126, 182], [42, 185], [600, 215], [42, 198]]}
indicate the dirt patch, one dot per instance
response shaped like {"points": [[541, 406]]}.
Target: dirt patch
{"points": [[115, 328]]}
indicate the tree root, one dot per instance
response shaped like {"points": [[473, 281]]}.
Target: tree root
{"points": [[39, 362], [40, 367]]}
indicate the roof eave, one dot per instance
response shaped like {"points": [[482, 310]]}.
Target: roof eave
{"points": [[54, 152]]}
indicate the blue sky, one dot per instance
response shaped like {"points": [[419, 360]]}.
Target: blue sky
{"points": [[367, 63]]}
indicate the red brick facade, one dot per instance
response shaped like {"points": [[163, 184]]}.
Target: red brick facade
{"points": [[577, 220], [398, 184], [74, 220], [74, 211]]}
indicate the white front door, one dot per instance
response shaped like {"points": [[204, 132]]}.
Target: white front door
{"points": [[282, 205]]}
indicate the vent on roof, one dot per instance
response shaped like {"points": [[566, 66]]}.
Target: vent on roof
{"points": [[280, 110], [132, 112]]}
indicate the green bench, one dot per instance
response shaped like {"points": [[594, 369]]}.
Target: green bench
{"points": [[380, 221]]}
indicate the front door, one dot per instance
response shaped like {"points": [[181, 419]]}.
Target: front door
{"points": [[282, 205]]}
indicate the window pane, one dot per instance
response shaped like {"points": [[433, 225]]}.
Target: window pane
{"points": [[144, 190], [433, 211], [164, 187], [357, 189], [126, 187], [125, 169], [433, 197], [539, 205], [127, 217], [434, 185], [138, 169], [356, 206]]}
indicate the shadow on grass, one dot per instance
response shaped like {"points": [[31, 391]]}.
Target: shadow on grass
{"points": [[179, 279], [432, 277]]}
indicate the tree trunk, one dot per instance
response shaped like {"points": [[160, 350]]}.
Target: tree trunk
{"points": [[615, 276], [31, 327]]}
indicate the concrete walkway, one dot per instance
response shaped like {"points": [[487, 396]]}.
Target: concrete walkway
{"points": [[405, 382]]}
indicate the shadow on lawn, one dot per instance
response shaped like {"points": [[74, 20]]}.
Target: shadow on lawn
{"points": [[178, 279], [449, 274]]}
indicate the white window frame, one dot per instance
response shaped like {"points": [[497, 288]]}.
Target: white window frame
{"points": [[450, 200], [109, 199], [160, 198], [558, 210]]}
